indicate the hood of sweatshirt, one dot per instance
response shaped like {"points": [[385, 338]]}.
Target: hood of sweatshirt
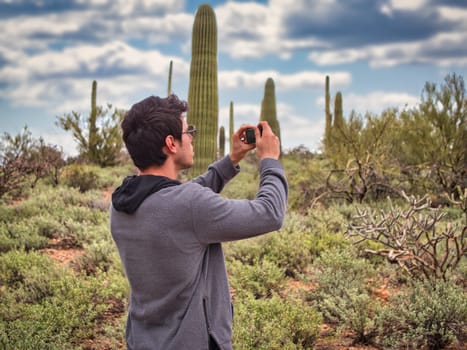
{"points": [[135, 189]]}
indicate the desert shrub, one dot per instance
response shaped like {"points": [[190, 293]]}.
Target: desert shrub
{"points": [[7, 242], [289, 250], [306, 177], [55, 201], [31, 223], [44, 306], [321, 230], [46, 224], [427, 315], [6, 213], [246, 250], [99, 255], [333, 219], [245, 184], [61, 213], [16, 266], [274, 324], [23, 161], [20, 235], [81, 177], [417, 238], [261, 279], [111, 177], [58, 321], [343, 294], [292, 248]]}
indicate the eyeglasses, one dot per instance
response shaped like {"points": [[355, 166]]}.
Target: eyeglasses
{"points": [[190, 130]]}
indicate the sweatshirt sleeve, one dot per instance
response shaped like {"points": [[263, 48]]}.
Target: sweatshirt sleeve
{"points": [[218, 219], [218, 174]]}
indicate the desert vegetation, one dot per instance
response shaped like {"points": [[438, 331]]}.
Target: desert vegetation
{"points": [[371, 255]]}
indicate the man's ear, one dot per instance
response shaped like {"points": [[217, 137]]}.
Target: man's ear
{"points": [[170, 144]]}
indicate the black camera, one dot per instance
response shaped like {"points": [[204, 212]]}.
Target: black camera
{"points": [[250, 134]]}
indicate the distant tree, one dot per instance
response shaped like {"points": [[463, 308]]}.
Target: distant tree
{"points": [[435, 134], [98, 135], [432, 140], [420, 150], [366, 164], [14, 170], [45, 160], [24, 160]]}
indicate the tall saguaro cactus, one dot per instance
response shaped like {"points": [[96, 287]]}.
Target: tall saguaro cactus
{"points": [[268, 107], [221, 142], [339, 122], [93, 136], [169, 83], [338, 128], [328, 125], [231, 123], [203, 96]]}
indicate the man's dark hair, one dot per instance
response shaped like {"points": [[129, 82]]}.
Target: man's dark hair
{"points": [[147, 124]]}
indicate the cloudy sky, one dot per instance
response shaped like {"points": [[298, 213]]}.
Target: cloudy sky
{"points": [[378, 53]]}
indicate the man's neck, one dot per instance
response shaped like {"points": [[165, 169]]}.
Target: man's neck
{"points": [[165, 170]]}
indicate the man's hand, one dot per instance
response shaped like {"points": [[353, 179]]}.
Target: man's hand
{"points": [[239, 146], [267, 144]]}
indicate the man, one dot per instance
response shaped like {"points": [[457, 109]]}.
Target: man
{"points": [[169, 233]]}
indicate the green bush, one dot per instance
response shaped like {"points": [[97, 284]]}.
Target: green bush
{"points": [[274, 324], [99, 256], [262, 279], [16, 266], [246, 250], [21, 235], [61, 213], [343, 294], [80, 176], [44, 306], [290, 251], [428, 315], [245, 184], [306, 176], [56, 322]]}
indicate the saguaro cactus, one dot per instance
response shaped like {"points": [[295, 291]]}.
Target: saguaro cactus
{"points": [[203, 91], [339, 122], [221, 142], [231, 123], [328, 125], [268, 107], [338, 128], [169, 84], [93, 133]]}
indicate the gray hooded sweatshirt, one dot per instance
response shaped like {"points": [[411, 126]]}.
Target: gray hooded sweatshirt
{"points": [[169, 236]]}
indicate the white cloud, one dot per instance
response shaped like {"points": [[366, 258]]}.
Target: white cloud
{"points": [[126, 8], [56, 80], [252, 30], [404, 5], [429, 51], [299, 80]]}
